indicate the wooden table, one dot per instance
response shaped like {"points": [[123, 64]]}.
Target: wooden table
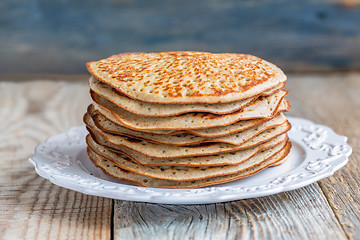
{"points": [[33, 208]]}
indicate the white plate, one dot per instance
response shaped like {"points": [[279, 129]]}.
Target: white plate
{"points": [[317, 153]]}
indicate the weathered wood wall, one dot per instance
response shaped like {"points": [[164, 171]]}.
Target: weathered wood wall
{"points": [[40, 36]]}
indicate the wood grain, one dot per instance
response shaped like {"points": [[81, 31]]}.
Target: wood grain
{"points": [[307, 213], [333, 100], [291, 215], [30, 206], [34, 208]]}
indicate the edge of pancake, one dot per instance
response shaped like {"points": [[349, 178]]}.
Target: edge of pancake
{"points": [[196, 132], [181, 151], [197, 140], [129, 123], [193, 161], [185, 173], [191, 184]]}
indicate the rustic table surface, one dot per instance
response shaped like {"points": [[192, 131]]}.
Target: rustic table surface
{"points": [[34, 208]]}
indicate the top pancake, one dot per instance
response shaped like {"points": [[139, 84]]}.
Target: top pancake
{"points": [[155, 109], [187, 77]]}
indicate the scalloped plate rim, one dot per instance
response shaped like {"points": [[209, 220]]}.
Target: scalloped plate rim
{"points": [[210, 194]]}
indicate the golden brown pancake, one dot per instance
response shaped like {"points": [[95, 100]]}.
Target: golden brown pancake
{"points": [[155, 109], [186, 119], [156, 150], [187, 77], [227, 158], [263, 107], [184, 139], [113, 170]]}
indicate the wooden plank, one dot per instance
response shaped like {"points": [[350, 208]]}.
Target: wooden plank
{"points": [[60, 36], [300, 214], [30, 206], [333, 100], [320, 98], [33, 208]]}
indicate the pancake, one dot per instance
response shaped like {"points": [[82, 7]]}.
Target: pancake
{"points": [[185, 173], [228, 158], [186, 119], [113, 170], [155, 150], [274, 89], [187, 77], [237, 126], [263, 107], [154, 109], [109, 121], [280, 162], [183, 139]]}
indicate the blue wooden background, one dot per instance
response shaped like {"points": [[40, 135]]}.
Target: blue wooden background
{"points": [[44, 36]]}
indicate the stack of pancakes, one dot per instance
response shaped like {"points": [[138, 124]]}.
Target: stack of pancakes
{"points": [[186, 119]]}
